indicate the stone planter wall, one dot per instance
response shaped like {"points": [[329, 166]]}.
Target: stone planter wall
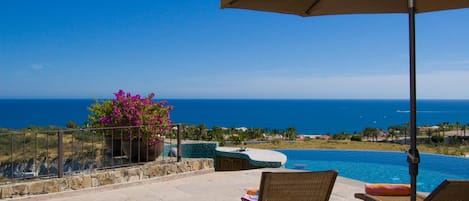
{"points": [[105, 177]]}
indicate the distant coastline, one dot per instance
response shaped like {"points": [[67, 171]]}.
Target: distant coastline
{"points": [[308, 116]]}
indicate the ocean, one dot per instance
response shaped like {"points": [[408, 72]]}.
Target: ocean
{"points": [[307, 116]]}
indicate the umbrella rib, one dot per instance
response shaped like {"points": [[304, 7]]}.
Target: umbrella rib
{"points": [[311, 7]]}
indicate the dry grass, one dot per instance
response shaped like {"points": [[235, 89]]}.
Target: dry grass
{"points": [[353, 145], [81, 144]]}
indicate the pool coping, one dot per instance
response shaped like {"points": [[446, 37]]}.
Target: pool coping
{"points": [[256, 157]]}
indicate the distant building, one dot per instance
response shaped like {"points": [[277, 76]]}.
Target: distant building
{"points": [[321, 137], [325, 137], [244, 129], [428, 128]]}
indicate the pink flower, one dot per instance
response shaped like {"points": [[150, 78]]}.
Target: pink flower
{"points": [[148, 119]]}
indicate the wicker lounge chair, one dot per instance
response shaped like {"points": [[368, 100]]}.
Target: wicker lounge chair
{"points": [[297, 186], [448, 190]]}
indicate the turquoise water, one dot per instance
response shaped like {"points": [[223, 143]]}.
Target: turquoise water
{"points": [[380, 167]]}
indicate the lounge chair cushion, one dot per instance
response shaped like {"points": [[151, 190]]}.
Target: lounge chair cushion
{"points": [[388, 189], [252, 191], [250, 198]]}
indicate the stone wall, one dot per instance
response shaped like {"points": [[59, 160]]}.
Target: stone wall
{"points": [[105, 177]]}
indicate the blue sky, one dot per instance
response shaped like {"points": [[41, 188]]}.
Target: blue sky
{"points": [[193, 49]]}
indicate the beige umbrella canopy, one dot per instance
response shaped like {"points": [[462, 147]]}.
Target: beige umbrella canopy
{"points": [[336, 7]]}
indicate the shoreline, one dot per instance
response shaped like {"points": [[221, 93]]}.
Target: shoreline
{"points": [[308, 116]]}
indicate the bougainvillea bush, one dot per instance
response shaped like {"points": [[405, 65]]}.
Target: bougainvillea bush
{"points": [[142, 117]]}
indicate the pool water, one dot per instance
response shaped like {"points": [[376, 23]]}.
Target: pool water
{"points": [[379, 166]]}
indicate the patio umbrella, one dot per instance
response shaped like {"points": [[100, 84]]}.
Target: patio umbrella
{"points": [[334, 7]]}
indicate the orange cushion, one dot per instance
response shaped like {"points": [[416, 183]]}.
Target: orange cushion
{"points": [[388, 189], [252, 191]]}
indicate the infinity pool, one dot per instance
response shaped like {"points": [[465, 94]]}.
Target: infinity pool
{"points": [[379, 166]]}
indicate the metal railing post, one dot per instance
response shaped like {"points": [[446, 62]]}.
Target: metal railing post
{"points": [[47, 154], [139, 145], [112, 146], [36, 166], [11, 156], [60, 147], [179, 143], [23, 155]]}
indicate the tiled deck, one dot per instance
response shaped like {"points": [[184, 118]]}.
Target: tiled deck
{"points": [[213, 186]]}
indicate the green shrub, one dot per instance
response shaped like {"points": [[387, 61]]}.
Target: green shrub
{"points": [[455, 140], [356, 138], [72, 124], [341, 136], [235, 139], [437, 139]]}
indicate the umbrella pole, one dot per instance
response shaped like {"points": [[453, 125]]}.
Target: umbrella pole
{"points": [[413, 157]]}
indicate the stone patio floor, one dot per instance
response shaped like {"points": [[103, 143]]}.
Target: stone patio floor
{"points": [[195, 186]]}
